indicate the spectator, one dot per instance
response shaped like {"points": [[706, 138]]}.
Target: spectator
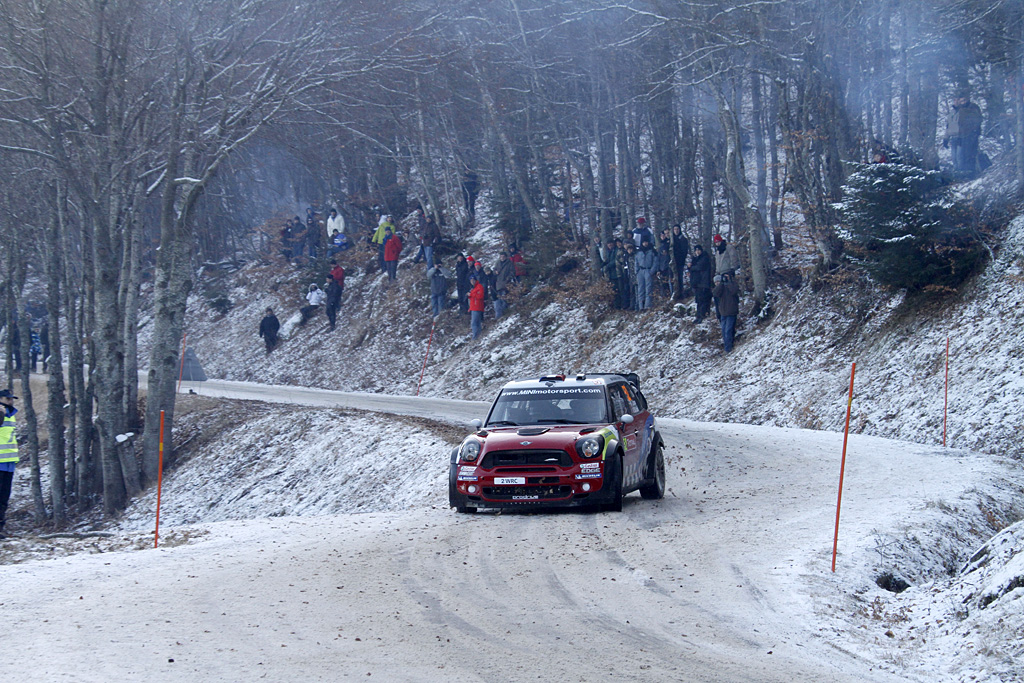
{"points": [[478, 273], [504, 276], [646, 261], [664, 272], [612, 270], [314, 298], [628, 257], [438, 277], [338, 274], [392, 248], [429, 239], [728, 294], [335, 222], [462, 283], [680, 250], [597, 257], [421, 224], [518, 262], [339, 243], [314, 229], [377, 239], [34, 349], [8, 453], [962, 131], [641, 231], [470, 191], [332, 301], [269, 327], [287, 238], [726, 258], [700, 280], [476, 308]]}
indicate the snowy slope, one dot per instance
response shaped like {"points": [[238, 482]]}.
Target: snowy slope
{"points": [[791, 371]]}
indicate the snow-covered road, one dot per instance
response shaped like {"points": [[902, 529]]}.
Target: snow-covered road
{"points": [[725, 579]]}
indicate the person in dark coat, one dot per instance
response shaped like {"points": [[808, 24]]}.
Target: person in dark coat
{"points": [[333, 301], [962, 131], [728, 294], [680, 250], [611, 269], [700, 280], [462, 282], [429, 237], [269, 327], [438, 277]]}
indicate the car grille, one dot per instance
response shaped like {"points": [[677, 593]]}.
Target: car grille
{"points": [[526, 457], [513, 493]]}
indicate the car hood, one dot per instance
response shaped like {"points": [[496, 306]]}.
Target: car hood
{"points": [[554, 436]]}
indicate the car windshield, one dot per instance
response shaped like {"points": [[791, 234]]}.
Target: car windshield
{"points": [[553, 405]]}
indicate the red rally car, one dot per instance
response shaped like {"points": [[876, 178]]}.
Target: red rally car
{"points": [[557, 442]]}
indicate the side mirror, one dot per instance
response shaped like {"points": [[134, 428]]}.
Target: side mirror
{"points": [[626, 419], [476, 423]]}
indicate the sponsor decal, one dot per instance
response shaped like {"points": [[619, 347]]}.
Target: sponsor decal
{"points": [[525, 497], [589, 475], [590, 466], [467, 470], [465, 478], [566, 392]]}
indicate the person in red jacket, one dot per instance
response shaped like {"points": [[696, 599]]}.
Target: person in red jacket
{"points": [[392, 248], [338, 273], [476, 308]]}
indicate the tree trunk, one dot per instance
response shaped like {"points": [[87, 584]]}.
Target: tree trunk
{"points": [[55, 366], [30, 431], [746, 209]]}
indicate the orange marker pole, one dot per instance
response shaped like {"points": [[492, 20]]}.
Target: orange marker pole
{"points": [[945, 400], [426, 355], [842, 468], [159, 482], [181, 366]]}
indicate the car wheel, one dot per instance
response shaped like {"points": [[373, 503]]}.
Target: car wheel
{"points": [[655, 488], [464, 509], [615, 466]]}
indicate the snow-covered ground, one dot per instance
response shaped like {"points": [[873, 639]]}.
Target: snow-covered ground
{"points": [[268, 569]]}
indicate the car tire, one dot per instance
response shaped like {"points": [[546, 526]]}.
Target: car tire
{"points": [[464, 509], [615, 465], [654, 488]]}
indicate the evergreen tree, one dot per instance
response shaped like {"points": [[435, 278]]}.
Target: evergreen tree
{"points": [[904, 229]]}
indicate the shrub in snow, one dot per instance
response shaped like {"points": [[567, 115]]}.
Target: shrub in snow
{"points": [[902, 227]]}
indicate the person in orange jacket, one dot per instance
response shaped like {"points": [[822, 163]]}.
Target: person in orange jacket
{"points": [[476, 308]]}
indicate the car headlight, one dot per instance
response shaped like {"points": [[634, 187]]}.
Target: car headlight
{"points": [[590, 446], [470, 450]]}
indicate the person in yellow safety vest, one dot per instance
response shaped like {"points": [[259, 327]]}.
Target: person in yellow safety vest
{"points": [[379, 238], [8, 454]]}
